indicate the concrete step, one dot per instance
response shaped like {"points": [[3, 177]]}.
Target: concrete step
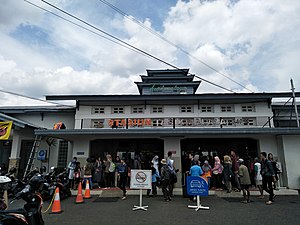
{"points": [[116, 192]]}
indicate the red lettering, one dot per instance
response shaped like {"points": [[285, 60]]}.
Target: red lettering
{"points": [[117, 122], [140, 122], [148, 122], [134, 122], [123, 123], [110, 123], [130, 122]]}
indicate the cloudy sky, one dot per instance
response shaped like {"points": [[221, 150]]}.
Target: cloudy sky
{"points": [[255, 43]]}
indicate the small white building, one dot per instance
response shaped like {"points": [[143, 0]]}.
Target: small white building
{"points": [[166, 116]]}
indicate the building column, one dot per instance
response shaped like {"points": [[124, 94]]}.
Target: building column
{"points": [[290, 164], [173, 144], [70, 151], [14, 158], [81, 150]]}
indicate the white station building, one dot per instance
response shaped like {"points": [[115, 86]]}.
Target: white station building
{"points": [[166, 115]]}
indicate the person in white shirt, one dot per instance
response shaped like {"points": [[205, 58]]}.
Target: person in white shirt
{"points": [[258, 177], [155, 162]]}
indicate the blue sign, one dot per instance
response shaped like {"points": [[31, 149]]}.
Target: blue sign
{"points": [[196, 186], [42, 155]]}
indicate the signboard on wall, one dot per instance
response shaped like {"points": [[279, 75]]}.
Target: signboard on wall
{"points": [[42, 155], [176, 122], [168, 89], [141, 179]]}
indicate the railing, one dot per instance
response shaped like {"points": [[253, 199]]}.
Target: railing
{"points": [[171, 122]]}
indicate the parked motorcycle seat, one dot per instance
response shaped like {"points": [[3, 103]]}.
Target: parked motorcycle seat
{"points": [[19, 211]]}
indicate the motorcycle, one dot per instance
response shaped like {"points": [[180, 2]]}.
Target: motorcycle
{"points": [[5, 184], [57, 178], [62, 182], [31, 214], [16, 184]]}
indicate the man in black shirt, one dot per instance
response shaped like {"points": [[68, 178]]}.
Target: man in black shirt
{"points": [[268, 176]]}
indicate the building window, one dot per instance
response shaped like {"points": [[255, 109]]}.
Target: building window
{"points": [[206, 109], [62, 154], [156, 109], [248, 108], [137, 109], [97, 123], [118, 110], [226, 108], [157, 122], [98, 110], [186, 109]]}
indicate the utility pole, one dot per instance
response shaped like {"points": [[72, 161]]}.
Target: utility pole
{"points": [[295, 102]]}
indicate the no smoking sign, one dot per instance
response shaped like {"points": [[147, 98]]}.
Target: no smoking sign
{"points": [[141, 179]]}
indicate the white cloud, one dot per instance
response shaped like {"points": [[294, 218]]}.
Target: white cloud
{"points": [[62, 81], [6, 65], [209, 54], [256, 43], [245, 34], [15, 12]]}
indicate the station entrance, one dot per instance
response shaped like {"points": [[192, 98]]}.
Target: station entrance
{"points": [[210, 147], [145, 149]]}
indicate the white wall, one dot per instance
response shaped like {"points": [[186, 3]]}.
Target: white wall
{"points": [[268, 144], [173, 144], [262, 113], [291, 145], [261, 110], [81, 145], [49, 119]]}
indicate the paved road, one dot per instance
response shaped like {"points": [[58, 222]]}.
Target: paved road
{"points": [[285, 211]]}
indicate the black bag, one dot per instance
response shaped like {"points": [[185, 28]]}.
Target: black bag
{"points": [[173, 178], [97, 177], [158, 182]]}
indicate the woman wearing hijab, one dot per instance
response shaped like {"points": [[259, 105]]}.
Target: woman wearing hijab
{"points": [[217, 174]]}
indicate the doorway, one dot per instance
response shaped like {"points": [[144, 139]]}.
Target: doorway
{"points": [[146, 149], [244, 147]]}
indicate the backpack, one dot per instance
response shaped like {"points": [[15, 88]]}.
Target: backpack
{"points": [[112, 167], [166, 174]]}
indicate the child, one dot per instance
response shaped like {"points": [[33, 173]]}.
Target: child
{"points": [[155, 175], [77, 175]]}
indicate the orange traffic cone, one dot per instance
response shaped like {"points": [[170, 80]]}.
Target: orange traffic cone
{"points": [[79, 198], [56, 204], [87, 193]]}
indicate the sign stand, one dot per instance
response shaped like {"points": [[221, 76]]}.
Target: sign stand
{"points": [[141, 179], [141, 203], [198, 206], [197, 186]]}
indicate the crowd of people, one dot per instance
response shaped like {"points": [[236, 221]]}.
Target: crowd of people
{"points": [[108, 173], [230, 173], [233, 173]]}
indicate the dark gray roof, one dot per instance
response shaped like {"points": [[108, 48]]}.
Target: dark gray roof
{"points": [[71, 134], [169, 78], [168, 72], [174, 99], [25, 109], [17, 122]]}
